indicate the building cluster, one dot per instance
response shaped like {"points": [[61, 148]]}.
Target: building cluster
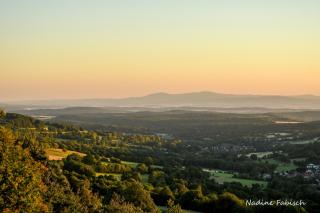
{"points": [[312, 171]]}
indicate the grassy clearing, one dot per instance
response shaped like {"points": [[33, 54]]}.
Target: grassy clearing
{"points": [[144, 178], [156, 167], [117, 176], [59, 154], [227, 177], [298, 159], [135, 164], [62, 139], [286, 167], [259, 154], [305, 141], [131, 164], [282, 167]]}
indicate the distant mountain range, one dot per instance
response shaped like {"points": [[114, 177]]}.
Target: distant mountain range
{"points": [[197, 99]]}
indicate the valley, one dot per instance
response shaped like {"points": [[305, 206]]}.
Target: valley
{"points": [[192, 158]]}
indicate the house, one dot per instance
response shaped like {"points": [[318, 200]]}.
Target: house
{"points": [[312, 166], [312, 171], [308, 174], [266, 176]]}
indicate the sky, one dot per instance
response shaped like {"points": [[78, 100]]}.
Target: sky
{"points": [[70, 49]]}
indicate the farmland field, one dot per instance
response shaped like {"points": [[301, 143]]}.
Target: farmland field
{"points": [[259, 154], [131, 164], [227, 177], [305, 141], [282, 167], [59, 154], [135, 164]]}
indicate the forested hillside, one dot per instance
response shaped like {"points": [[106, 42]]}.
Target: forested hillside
{"points": [[55, 167]]}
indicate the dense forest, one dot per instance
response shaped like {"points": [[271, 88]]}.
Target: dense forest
{"points": [[59, 167]]}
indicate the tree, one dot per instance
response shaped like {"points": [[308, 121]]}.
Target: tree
{"points": [[171, 208], [148, 161], [157, 178], [133, 191], [74, 157], [192, 199], [131, 175], [61, 198], [92, 201], [2, 113], [35, 148], [254, 157], [229, 202], [21, 183], [142, 168], [119, 205], [89, 159], [164, 195]]}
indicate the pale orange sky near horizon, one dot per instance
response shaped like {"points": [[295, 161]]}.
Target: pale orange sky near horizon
{"points": [[106, 50]]}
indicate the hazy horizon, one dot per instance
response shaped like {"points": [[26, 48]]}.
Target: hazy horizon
{"points": [[116, 49], [148, 94]]}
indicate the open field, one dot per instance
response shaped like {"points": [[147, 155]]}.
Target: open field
{"points": [[135, 164], [117, 176], [59, 154], [131, 164], [62, 139], [282, 167], [298, 159], [227, 177], [306, 141], [43, 117], [259, 154]]}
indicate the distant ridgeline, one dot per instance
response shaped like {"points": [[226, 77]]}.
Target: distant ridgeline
{"points": [[54, 167]]}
